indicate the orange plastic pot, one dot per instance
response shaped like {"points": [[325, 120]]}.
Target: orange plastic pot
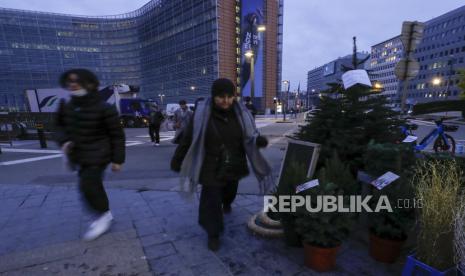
{"points": [[385, 250], [320, 259]]}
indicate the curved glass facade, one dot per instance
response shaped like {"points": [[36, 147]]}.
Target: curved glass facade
{"points": [[166, 47]]}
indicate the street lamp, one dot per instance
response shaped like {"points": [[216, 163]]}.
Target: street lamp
{"points": [[436, 81], [261, 28], [192, 88], [161, 98], [378, 86], [250, 55], [275, 101], [288, 83]]}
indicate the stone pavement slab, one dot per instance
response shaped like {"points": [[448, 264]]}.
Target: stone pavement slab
{"points": [[154, 233], [114, 254]]}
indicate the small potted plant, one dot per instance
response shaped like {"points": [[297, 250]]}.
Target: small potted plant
{"points": [[389, 230], [438, 185], [323, 232], [294, 176]]}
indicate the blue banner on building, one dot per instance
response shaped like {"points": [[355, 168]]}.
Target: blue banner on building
{"points": [[252, 16]]}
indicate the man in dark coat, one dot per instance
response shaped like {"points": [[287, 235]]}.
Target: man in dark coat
{"points": [[90, 133], [155, 119]]}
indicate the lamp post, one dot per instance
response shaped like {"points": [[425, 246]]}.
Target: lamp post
{"points": [[275, 100], [449, 79], [161, 98], [288, 83], [249, 54], [436, 81]]}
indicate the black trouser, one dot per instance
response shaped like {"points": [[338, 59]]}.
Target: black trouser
{"points": [[92, 190], [154, 137], [212, 200]]}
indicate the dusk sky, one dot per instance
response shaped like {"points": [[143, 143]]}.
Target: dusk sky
{"points": [[315, 31]]}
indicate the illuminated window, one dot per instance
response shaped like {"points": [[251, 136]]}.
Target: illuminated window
{"points": [[65, 33]]}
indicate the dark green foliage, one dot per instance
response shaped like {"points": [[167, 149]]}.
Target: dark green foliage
{"points": [[399, 159], [292, 177], [461, 83], [439, 106], [328, 229], [347, 123]]}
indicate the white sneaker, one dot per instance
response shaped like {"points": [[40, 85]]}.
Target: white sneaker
{"points": [[99, 227], [157, 144]]}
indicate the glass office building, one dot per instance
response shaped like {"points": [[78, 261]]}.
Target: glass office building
{"points": [[441, 54], [383, 59], [167, 47]]}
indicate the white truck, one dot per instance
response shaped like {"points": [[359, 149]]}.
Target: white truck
{"points": [[133, 111]]}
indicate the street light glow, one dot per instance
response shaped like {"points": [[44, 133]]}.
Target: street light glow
{"points": [[436, 81], [192, 88], [261, 28], [378, 85], [249, 53]]}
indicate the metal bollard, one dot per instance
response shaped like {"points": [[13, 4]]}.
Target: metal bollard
{"points": [[41, 135]]}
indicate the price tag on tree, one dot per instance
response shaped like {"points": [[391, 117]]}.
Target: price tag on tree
{"points": [[307, 185], [384, 180], [410, 139]]}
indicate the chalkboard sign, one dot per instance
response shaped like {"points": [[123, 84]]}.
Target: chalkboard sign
{"points": [[302, 153]]}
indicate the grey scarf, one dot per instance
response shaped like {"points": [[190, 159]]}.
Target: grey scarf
{"points": [[193, 160]]}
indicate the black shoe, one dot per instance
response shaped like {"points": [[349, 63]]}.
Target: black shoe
{"points": [[213, 243], [227, 209]]}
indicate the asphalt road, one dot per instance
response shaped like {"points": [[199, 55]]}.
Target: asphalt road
{"points": [[146, 166]]}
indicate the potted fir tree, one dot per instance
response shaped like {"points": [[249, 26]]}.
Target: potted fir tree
{"points": [[323, 232], [294, 176], [389, 230]]}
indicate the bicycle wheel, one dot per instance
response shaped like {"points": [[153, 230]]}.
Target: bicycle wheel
{"points": [[440, 144]]}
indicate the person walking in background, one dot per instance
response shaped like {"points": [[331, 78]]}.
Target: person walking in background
{"points": [[155, 119], [214, 151], [182, 117], [90, 134], [250, 106]]}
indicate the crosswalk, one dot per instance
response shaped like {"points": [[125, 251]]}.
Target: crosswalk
{"points": [[45, 154]]}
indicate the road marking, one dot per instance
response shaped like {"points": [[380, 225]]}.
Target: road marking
{"points": [[7, 163], [31, 151], [133, 143], [263, 124], [27, 160], [423, 123]]}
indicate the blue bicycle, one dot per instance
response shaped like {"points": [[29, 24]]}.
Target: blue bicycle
{"points": [[443, 142]]}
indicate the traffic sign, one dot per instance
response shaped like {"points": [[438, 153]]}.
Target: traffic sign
{"points": [[412, 33], [407, 69]]}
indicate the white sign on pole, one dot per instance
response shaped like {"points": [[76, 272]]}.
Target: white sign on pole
{"points": [[384, 180], [307, 185], [354, 77]]}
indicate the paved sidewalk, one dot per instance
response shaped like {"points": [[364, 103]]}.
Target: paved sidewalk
{"points": [[155, 233]]}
